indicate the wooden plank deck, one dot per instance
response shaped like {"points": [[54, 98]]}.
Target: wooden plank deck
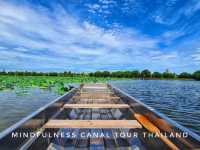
{"points": [[97, 106], [102, 124], [98, 101]]}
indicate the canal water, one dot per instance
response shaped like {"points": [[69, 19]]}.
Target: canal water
{"points": [[16, 104], [179, 100]]}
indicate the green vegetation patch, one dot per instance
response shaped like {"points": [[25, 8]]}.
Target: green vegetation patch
{"points": [[46, 82]]}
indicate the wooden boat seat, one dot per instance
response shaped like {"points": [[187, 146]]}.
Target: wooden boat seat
{"points": [[95, 92], [93, 124], [95, 87], [96, 106], [95, 97]]}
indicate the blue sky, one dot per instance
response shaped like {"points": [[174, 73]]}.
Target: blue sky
{"points": [[90, 35]]}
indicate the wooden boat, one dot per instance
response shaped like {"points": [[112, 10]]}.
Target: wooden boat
{"points": [[97, 116]]}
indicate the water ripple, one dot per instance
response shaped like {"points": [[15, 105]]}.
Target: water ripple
{"points": [[179, 100]]}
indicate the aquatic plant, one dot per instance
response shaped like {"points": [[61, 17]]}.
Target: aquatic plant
{"points": [[46, 82]]}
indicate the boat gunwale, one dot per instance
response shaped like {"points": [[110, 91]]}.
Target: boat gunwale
{"points": [[13, 127], [159, 114]]}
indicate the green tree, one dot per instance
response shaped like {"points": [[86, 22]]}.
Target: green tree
{"points": [[196, 75], [185, 75], [3, 72], [146, 73], [117, 74], [168, 75], [105, 74], [53, 74], [135, 74], [91, 74], [157, 75], [97, 74]]}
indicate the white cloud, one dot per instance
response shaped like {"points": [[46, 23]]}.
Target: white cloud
{"points": [[102, 7], [55, 39], [107, 2], [170, 14], [94, 6], [172, 34], [196, 56], [192, 7], [133, 7], [171, 2], [159, 19], [168, 37], [165, 57]]}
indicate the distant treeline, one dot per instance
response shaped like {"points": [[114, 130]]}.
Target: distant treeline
{"points": [[145, 74]]}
